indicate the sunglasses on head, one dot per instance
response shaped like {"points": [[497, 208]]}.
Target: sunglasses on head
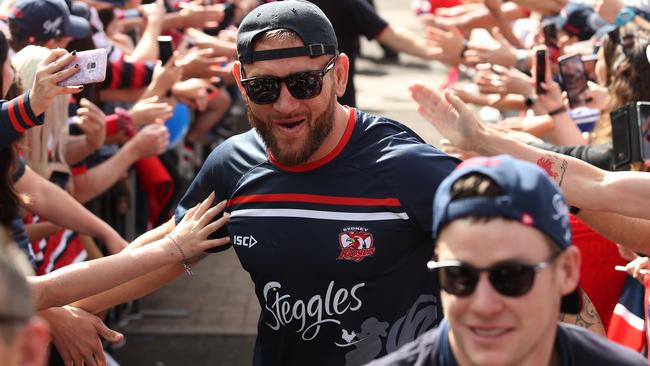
{"points": [[301, 85], [509, 278]]}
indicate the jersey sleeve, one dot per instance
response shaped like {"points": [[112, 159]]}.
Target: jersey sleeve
{"points": [[16, 116], [365, 18]]}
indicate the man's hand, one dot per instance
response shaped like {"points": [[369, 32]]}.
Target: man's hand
{"points": [[194, 92], [496, 79], [449, 115], [498, 52], [51, 71], [150, 110], [91, 122], [75, 333], [151, 140], [200, 63], [447, 44]]}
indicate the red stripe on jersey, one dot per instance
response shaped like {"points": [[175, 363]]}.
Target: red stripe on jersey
{"points": [[139, 74], [23, 112], [312, 198], [12, 117], [116, 75], [326, 159]]}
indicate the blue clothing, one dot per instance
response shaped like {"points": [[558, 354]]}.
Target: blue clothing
{"points": [[337, 249], [576, 347], [16, 116]]}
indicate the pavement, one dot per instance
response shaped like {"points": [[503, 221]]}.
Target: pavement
{"points": [[211, 318]]}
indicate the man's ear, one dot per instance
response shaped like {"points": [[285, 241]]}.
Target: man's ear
{"points": [[569, 269], [236, 72], [341, 73], [34, 342]]}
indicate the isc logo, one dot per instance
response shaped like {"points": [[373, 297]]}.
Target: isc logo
{"points": [[245, 241]]}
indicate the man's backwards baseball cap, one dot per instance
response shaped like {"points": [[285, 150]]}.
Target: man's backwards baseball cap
{"points": [[528, 196], [302, 17], [42, 20]]}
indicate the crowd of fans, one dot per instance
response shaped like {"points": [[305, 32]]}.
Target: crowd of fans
{"points": [[87, 169]]}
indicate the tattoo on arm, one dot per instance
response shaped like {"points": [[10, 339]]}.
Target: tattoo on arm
{"points": [[587, 318], [554, 166]]}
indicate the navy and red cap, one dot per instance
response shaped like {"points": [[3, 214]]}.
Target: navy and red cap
{"points": [[42, 20], [528, 196], [302, 17]]}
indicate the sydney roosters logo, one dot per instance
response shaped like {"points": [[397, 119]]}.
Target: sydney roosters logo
{"points": [[356, 244]]}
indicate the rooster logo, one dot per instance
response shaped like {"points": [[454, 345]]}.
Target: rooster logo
{"points": [[356, 244]]}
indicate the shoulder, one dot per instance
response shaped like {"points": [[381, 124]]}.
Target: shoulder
{"points": [[398, 146], [239, 152], [422, 351], [589, 348]]}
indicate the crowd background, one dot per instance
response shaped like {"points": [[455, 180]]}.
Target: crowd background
{"points": [[129, 170]]}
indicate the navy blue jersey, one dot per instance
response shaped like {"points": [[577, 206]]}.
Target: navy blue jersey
{"points": [[576, 347], [337, 249]]}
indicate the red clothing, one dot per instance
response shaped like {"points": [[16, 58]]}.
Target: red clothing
{"points": [[598, 278]]}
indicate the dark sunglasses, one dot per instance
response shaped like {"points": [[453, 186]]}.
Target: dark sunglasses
{"points": [[509, 278], [302, 85]]}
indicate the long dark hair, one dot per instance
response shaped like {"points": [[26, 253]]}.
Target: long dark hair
{"points": [[8, 197]]}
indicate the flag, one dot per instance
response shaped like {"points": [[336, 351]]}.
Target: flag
{"points": [[627, 325]]}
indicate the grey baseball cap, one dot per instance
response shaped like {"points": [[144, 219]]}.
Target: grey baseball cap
{"points": [[302, 17]]}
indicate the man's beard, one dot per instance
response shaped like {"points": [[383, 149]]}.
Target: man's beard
{"points": [[319, 129]]}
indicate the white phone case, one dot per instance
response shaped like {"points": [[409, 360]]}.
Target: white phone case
{"points": [[92, 68]]}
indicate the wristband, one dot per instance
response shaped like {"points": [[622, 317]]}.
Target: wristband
{"points": [[552, 113], [186, 267], [574, 210], [125, 122]]}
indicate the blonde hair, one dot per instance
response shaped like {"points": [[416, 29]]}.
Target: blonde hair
{"points": [[54, 132]]}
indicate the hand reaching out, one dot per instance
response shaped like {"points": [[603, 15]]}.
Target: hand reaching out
{"points": [[449, 115]]}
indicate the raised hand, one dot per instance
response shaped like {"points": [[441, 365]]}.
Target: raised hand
{"points": [[51, 71], [449, 115], [192, 232]]}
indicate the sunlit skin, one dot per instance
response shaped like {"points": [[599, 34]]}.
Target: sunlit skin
{"points": [[7, 76], [288, 125], [487, 328]]}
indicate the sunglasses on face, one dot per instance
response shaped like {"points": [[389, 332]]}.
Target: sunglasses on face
{"points": [[302, 85], [509, 278]]}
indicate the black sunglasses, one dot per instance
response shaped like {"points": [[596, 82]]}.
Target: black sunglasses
{"points": [[509, 278], [302, 85]]}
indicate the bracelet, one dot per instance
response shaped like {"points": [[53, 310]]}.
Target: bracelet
{"points": [[186, 267], [562, 109], [574, 210]]}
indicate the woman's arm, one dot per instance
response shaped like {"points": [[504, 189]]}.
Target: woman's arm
{"points": [[81, 280]]}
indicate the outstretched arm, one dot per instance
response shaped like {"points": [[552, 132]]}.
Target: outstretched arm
{"points": [[80, 280], [584, 185]]}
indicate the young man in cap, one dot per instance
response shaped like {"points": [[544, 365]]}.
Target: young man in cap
{"points": [[329, 206], [507, 268], [46, 23]]}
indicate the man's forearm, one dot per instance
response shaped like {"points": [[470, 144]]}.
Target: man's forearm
{"points": [[100, 178], [402, 40], [631, 232], [546, 7]]}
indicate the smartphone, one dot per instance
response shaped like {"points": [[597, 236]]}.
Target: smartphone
{"points": [[574, 78], [165, 48], [631, 134], [92, 68], [589, 63], [549, 30], [540, 70]]}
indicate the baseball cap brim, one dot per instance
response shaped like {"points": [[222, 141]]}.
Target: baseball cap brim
{"points": [[78, 27]]}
